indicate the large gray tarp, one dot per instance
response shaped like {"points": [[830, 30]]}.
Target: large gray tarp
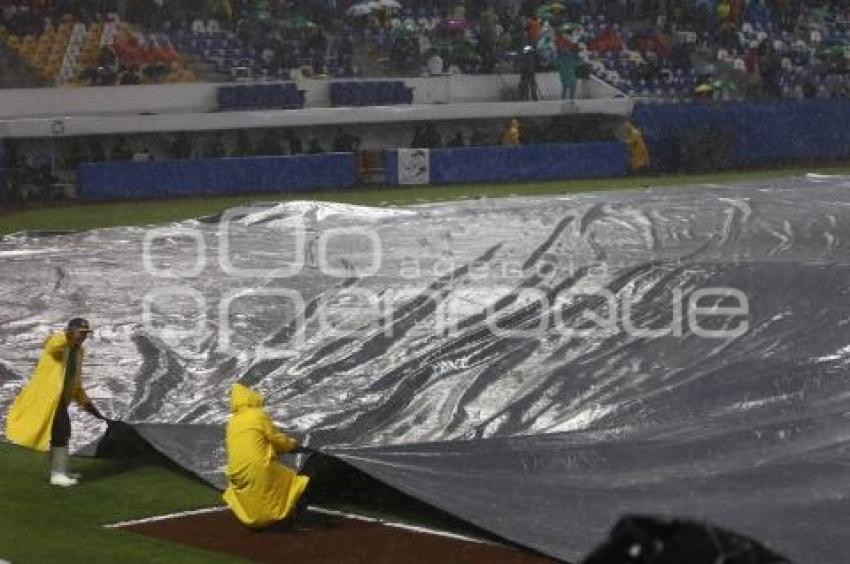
{"points": [[490, 357]]}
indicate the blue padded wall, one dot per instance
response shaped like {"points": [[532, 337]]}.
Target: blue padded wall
{"points": [[260, 96], [205, 177], [763, 132], [370, 93], [5, 196], [390, 157], [528, 162]]}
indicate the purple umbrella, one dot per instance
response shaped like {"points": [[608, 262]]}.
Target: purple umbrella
{"points": [[453, 24]]}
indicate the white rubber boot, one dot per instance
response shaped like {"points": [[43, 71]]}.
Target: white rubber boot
{"points": [[65, 457], [59, 468]]}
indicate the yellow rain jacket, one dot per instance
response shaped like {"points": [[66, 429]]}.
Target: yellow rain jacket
{"points": [[511, 133], [31, 416], [260, 490], [638, 153]]}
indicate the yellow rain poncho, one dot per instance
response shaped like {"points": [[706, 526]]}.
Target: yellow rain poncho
{"points": [[260, 490], [638, 153], [511, 134], [31, 415]]}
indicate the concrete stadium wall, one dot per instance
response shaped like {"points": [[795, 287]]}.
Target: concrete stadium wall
{"points": [[721, 135], [201, 97]]}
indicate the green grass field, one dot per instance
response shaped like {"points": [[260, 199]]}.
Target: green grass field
{"points": [[40, 523]]}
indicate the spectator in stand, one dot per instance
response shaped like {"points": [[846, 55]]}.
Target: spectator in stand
{"points": [[435, 64], [723, 12], [511, 135], [431, 137], [568, 62], [318, 44], [487, 41], [638, 153], [314, 148], [736, 12], [345, 142], [216, 150], [76, 155], [296, 147], [608, 41], [345, 51], [418, 142], [528, 74], [143, 156], [97, 154], [269, 145], [478, 139], [180, 147], [130, 77], [179, 73], [533, 28], [120, 151], [105, 72], [199, 27], [562, 42], [784, 14], [771, 67], [244, 147], [456, 141]]}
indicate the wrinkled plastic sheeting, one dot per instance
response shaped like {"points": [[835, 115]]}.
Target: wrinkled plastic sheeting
{"points": [[545, 437]]}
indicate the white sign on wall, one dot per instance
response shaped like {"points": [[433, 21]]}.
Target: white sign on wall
{"points": [[414, 166]]}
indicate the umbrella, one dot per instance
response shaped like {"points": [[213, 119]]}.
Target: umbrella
{"points": [[453, 24], [393, 4], [556, 6], [359, 10]]}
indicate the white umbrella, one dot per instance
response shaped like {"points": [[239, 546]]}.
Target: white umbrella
{"points": [[359, 10], [390, 3]]}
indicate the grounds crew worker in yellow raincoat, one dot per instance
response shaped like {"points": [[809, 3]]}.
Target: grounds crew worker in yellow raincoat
{"points": [[510, 136], [638, 153], [260, 490], [39, 417]]}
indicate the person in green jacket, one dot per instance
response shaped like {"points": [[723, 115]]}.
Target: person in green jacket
{"points": [[568, 61]]}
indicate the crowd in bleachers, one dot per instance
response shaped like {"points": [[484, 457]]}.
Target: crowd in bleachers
{"points": [[68, 44], [676, 48], [681, 49]]}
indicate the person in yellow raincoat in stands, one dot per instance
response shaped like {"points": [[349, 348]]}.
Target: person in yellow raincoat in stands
{"points": [[511, 134], [260, 490], [638, 153], [38, 417]]}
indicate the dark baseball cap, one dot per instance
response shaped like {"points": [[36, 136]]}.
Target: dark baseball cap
{"points": [[79, 324]]}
